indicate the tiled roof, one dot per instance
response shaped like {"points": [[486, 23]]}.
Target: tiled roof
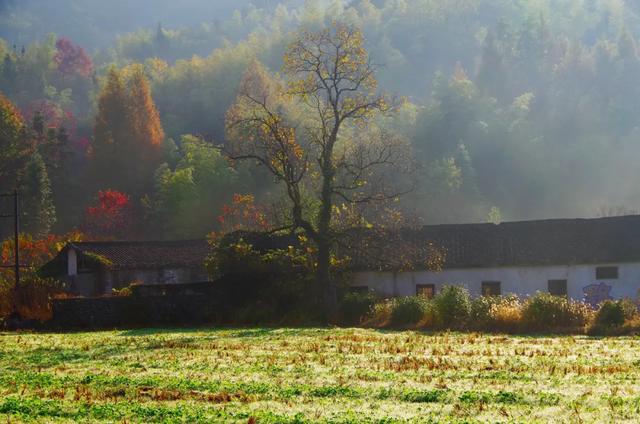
{"points": [[146, 254], [525, 243]]}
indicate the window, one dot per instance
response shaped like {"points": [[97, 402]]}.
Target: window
{"points": [[491, 288], [558, 287], [359, 289], [426, 290], [84, 265], [606, 273]]}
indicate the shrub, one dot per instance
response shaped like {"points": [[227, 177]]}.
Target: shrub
{"points": [[630, 308], [496, 313], [31, 300], [452, 307], [409, 310], [610, 314], [355, 306], [547, 312], [380, 314]]}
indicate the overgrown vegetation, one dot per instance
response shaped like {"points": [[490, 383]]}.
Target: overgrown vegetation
{"points": [[272, 287], [315, 375], [494, 89], [453, 308], [31, 300]]}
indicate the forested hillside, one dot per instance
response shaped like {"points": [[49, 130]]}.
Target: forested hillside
{"points": [[513, 109]]}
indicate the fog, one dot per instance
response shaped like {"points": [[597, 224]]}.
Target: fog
{"points": [[514, 109]]}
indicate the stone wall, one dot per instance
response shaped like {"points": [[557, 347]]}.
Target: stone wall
{"points": [[174, 308]]}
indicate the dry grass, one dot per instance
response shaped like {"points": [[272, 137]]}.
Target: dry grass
{"points": [[316, 375]]}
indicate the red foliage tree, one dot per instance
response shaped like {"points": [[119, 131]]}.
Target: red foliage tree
{"points": [[50, 116], [110, 218], [243, 214], [72, 59]]}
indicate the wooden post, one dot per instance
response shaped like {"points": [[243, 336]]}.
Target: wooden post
{"points": [[16, 237]]}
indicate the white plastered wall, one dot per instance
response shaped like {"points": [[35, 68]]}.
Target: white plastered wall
{"points": [[522, 281]]}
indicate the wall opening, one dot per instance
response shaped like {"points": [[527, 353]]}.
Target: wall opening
{"points": [[426, 290], [557, 287], [491, 288]]}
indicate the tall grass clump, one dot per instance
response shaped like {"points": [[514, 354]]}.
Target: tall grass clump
{"points": [[546, 312], [496, 313], [452, 307]]}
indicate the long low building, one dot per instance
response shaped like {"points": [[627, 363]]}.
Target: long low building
{"points": [[585, 259], [96, 268]]}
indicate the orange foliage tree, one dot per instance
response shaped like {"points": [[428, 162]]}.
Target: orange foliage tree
{"points": [[243, 214], [15, 145], [126, 147]]}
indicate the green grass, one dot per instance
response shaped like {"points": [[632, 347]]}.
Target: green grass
{"points": [[316, 375]]}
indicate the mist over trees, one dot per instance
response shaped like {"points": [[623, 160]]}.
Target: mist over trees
{"points": [[512, 109]]}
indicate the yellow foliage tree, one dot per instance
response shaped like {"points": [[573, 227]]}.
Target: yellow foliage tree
{"points": [[311, 132]]}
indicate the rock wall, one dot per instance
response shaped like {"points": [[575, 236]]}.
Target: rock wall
{"points": [[137, 311]]}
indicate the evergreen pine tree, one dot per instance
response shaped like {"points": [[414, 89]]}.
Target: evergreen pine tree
{"points": [[38, 210]]}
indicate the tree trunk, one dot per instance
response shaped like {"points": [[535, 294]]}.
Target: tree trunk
{"points": [[324, 232], [324, 279]]}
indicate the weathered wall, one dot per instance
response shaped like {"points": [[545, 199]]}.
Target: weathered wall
{"points": [[107, 312], [102, 282], [522, 281]]}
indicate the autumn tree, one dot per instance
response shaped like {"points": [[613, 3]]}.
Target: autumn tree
{"points": [[110, 217], [313, 135], [15, 145], [146, 130], [110, 133], [71, 59], [128, 135]]}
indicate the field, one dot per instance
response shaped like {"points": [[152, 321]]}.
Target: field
{"points": [[316, 375]]}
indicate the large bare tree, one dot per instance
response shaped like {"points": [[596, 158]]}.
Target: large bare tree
{"points": [[314, 132]]}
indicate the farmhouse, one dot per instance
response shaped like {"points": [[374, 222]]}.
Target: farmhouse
{"points": [[96, 268], [590, 259]]}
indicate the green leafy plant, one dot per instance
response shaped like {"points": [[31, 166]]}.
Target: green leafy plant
{"points": [[610, 314], [545, 312], [452, 307], [409, 310]]}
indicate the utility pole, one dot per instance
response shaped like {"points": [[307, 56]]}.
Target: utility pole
{"points": [[16, 236]]}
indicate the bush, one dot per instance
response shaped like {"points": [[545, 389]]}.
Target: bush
{"points": [[548, 312], [409, 310], [610, 314], [630, 309], [31, 300], [496, 313], [452, 307], [380, 314], [355, 306]]}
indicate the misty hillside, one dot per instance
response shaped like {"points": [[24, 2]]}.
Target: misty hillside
{"points": [[513, 109]]}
